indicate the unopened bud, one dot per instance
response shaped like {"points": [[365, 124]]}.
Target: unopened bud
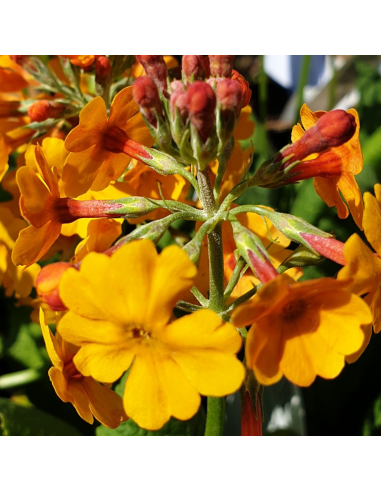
{"points": [[328, 247], [19, 59], [43, 110], [229, 104], [193, 68], [156, 69], [221, 65], [202, 104], [179, 101], [331, 130], [147, 97], [246, 91], [133, 207], [252, 250], [102, 70], [300, 258], [47, 285]]}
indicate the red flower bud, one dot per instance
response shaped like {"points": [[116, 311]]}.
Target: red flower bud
{"points": [[331, 130], [156, 69], [193, 68], [246, 91], [263, 267], [47, 285], [19, 59], [326, 246], [147, 98], [179, 100], [43, 110], [229, 95], [201, 104], [221, 65], [103, 69]]}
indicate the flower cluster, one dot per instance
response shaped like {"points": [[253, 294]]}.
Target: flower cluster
{"points": [[111, 153]]}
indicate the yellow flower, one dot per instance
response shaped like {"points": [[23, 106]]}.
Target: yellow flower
{"points": [[95, 160], [363, 266], [341, 165], [86, 395], [121, 317], [302, 330]]}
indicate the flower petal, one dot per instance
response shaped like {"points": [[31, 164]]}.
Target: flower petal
{"points": [[372, 221], [52, 346]]}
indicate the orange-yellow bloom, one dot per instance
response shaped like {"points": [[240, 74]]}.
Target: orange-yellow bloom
{"points": [[363, 266], [82, 61], [302, 330], [87, 396], [341, 164], [122, 318], [95, 157]]}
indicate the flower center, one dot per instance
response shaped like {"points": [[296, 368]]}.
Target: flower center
{"points": [[114, 139], [70, 371], [293, 309], [138, 334]]}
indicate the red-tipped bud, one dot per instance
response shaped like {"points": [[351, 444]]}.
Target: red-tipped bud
{"points": [[19, 59], [221, 65], [47, 285], [251, 425], [177, 86], [262, 266], [332, 130], [193, 68], [246, 91], [201, 105], [102, 70], [147, 98], [43, 110], [326, 246], [156, 69], [229, 96]]}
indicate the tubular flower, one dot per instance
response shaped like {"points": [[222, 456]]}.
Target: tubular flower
{"points": [[44, 205], [87, 396], [302, 330], [96, 145], [121, 319], [82, 61], [363, 266], [336, 168]]}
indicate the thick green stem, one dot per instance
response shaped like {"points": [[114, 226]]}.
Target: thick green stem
{"points": [[215, 419], [215, 416]]}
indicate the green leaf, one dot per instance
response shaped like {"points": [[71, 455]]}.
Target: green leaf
{"points": [[16, 420]]}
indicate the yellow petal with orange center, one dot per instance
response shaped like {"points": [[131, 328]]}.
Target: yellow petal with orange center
{"points": [[92, 120]]}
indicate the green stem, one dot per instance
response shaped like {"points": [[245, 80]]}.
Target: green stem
{"points": [[303, 80], [215, 416], [19, 378]]}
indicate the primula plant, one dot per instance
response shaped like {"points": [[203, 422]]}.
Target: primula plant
{"points": [[111, 154]]}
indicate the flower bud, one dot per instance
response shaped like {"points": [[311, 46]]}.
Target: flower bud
{"points": [[156, 69], [47, 285], [331, 130], [102, 70], [147, 98], [246, 91], [229, 103], [221, 65], [19, 59], [179, 101], [201, 104], [252, 250], [43, 110], [193, 68], [328, 247]]}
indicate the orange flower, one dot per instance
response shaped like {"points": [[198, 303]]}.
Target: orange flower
{"points": [[82, 61], [302, 330], [13, 77], [87, 396], [342, 163], [95, 160]]}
